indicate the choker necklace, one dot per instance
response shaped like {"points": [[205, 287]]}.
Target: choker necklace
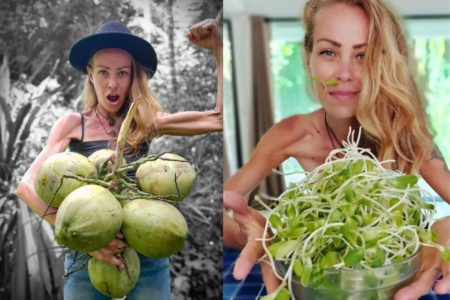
{"points": [[330, 132], [111, 121], [112, 132]]}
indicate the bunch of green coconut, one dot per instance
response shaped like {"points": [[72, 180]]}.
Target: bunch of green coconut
{"points": [[96, 200]]}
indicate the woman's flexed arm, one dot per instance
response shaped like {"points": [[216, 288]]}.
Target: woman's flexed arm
{"points": [[205, 34]]}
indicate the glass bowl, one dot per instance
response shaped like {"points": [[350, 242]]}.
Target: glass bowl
{"points": [[379, 283]]}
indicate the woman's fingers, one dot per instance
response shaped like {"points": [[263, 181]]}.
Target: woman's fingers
{"points": [[116, 246], [111, 253], [443, 285], [205, 34], [248, 258], [235, 201], [421, 286], [107, 256], [202, 28], [271, 281], [423, 283]]}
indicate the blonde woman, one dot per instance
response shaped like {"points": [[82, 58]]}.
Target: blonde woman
{"points": [[118, 65], [360, 45]]}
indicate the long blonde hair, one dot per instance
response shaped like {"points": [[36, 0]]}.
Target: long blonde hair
{"points": [[143, 125], [390, 110]]}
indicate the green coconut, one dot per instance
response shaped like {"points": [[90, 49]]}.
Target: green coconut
{"points": [[88, 219], [162, 176], [103, 160], [153, 228], [48, 180], [114, 282]]}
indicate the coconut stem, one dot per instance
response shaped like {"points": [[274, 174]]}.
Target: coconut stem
{"points": [[122, 138], [88, 180]]}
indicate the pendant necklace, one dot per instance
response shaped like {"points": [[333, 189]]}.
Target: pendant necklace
{"points": [[330, 132], [111, 123]]}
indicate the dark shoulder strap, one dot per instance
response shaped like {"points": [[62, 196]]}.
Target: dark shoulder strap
{"points": [[82, 127]]}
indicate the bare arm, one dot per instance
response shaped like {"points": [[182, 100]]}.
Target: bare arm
{"points": [[271, 151], [58, 141], [205, 34], [247, 225], [437, 174]]}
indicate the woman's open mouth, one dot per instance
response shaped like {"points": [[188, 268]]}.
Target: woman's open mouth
{"points": [[113, 98]]}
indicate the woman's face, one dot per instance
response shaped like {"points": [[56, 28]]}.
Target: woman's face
{"points": [[340, 39], [111, 76]]}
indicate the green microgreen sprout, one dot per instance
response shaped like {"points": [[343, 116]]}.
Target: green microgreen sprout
{"points": [[348, 213], [326, 83]]}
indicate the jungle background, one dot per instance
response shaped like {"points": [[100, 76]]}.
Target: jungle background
{"points": [[37, 85]]}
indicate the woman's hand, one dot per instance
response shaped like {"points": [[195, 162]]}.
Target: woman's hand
{"points": [[206, 34], [109, 253], [432, 267], [243, 231]]}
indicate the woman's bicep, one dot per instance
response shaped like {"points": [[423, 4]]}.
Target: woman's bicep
{"points": [[57, 141], [270, 152], [189, 122]]}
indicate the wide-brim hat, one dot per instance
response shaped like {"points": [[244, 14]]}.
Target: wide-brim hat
{"points": [[113, 35]]}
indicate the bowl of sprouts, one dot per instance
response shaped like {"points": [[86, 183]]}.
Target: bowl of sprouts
{"points": [[351, 229]]}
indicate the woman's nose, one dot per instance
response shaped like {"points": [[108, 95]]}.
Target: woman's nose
{"points": [[345, 71], [112, 82]]}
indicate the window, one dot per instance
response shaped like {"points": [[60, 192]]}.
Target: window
{"points": [[231, 121]]}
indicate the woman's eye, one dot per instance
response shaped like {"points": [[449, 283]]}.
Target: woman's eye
{"points": [[361, 56], [102, 72], [123, 73], [326, 53]]}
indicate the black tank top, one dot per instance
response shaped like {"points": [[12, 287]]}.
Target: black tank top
{"points": [[87, 148]]}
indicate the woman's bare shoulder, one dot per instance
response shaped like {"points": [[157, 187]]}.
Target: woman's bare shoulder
{"points": [[289, 131], [67, 126], [299, 124]]}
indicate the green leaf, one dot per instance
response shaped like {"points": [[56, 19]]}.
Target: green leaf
{"points": [[331, 82], [348, 230], [402, 182], [349, 194], [445, 252], [426, 236], [295, 233], [282, 249], [280, 294], [397, 216], [290, 211], [394, 201], [379, 258], [330, 259], [298, 268], [369, 165], [348, 209], [356, 167], [353, 257], [306, 276], [338, 166], [275, 221], [336, 216]]}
